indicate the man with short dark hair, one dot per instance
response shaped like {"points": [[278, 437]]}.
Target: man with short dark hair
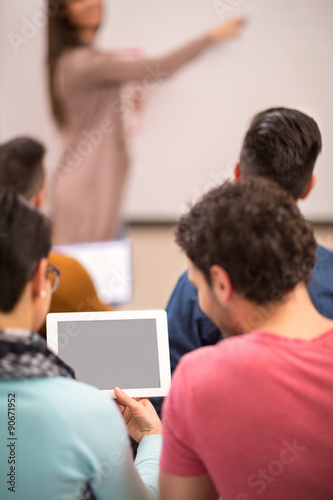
{"points": [[281, 144], [252, 415], [22, 169]]}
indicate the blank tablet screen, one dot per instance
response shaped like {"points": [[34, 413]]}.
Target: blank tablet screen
{"points": [[114, 353]]}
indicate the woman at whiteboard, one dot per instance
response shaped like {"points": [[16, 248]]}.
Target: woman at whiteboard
{"points": [[84, 87]]}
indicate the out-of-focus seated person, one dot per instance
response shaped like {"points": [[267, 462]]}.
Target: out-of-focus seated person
{"points": [[22, 169]]}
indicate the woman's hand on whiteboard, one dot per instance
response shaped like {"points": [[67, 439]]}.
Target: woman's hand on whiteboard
{"points": [[139, 414], [228, 29]]}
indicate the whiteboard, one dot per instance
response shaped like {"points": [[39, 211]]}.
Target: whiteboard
{"points": [[193, 123]]}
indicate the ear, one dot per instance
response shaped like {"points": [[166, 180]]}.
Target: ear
{"points": [[221, 284], [311, 184], [37, 200], [237, 172], [40, 286]]}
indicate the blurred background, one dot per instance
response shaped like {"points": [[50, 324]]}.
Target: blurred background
{"points": [[188, 136]]}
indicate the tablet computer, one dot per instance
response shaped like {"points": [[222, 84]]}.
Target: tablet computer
{"points": [[107, 349]]}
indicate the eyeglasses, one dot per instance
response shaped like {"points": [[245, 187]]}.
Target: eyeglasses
{"points": [[53, 275]]}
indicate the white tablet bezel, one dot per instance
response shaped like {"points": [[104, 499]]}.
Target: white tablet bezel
{"points": [[160, 316]]}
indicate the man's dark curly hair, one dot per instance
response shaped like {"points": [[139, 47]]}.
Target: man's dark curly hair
{"points": [[281, 144], [253, 229]]}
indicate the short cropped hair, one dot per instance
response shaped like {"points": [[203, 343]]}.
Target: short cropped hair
{"points": [[21, 166], [281, 144], [25, 238], [253, 229]]}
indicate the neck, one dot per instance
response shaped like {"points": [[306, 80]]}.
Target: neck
{"points": [[13, 322], [20, 318], [87, 35], [294, 318]]}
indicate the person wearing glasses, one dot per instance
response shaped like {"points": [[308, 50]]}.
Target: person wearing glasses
{"points": [[60, 439], [53, 275], [22, 168]]}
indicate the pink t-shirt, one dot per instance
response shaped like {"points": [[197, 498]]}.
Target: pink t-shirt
{"points": [[255, 412]]}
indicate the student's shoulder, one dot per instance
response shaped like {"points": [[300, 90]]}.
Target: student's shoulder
{"points": [[185, 287], [69, 399], [229, 358], [64, 262], [73, 276], [80, 389], [324, 258]]}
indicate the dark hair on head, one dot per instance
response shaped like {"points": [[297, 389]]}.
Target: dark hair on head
{"points": [[61, 36], [21, 166], [25, 238], [282, 144], [253, 229]]}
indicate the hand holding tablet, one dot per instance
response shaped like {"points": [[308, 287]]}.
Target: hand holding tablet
{"points": [[140, 416]]}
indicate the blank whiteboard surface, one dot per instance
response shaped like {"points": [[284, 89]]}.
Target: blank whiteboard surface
{"points": [[193, 123]]}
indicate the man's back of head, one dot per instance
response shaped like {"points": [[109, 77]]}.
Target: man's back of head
{"points": [[254, 231], [281, 144], [21, 166]]}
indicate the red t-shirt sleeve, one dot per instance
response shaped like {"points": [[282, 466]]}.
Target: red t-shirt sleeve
{"points": [[179, 456]]}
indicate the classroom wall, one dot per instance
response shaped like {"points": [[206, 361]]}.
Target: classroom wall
{"points": [[193, 123]]}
